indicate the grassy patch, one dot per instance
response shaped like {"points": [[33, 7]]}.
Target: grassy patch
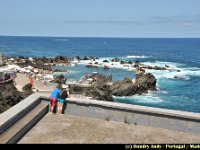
{"points": [[127, 119]]}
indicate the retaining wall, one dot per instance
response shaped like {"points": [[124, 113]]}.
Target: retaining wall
{"points": [[133, 114]]}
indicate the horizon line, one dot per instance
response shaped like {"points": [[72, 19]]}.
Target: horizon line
{"points": [[96, 36]]}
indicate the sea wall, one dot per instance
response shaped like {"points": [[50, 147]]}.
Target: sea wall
{"points": [[127, 113], [133, 114]]}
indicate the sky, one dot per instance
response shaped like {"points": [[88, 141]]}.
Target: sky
{"points": [[101, 18]]}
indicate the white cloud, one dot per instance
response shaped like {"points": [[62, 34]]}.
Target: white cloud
{"points": [[188, 24]]}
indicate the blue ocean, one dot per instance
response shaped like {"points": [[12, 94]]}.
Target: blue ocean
{"points": [[183, 54]]}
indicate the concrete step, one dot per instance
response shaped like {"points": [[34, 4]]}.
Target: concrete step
{"points": [[23, 125]]}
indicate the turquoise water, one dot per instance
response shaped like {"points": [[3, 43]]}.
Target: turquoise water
{"points": [[75, 73]]}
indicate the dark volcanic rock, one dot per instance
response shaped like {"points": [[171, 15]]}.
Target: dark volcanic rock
{"points": [[79, 89], [115, 60], [124, 88], [41, 63], [27, 90], [99, 90], [94, 91], [60, 79], [145, 82], [100, 93], [85, 58], [59, 70], [155, 68], [105, 61], [9, 96]]}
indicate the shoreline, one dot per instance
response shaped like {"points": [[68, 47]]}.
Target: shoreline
{"points": [[43, 67]]}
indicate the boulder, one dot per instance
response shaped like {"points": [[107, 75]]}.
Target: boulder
{"points": [[79, 89], [145, 82], [100, 93], [124, 87], [10, 96], [60, 79]]}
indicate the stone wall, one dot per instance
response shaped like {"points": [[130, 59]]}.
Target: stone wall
{"points": [[133, 114]]}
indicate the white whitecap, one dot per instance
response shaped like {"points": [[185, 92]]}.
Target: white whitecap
{"points": [[146, 98], [61, 40], [135, 56], [171, 65], [174, 70], [163, 92]]}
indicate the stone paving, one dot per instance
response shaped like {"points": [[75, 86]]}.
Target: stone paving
{"points": [[74, 129]]}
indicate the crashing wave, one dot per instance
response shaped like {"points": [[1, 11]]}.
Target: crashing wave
{"points": [[146, 98]]}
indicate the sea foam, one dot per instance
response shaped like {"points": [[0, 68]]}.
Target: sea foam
{"points": [[145, 98]]}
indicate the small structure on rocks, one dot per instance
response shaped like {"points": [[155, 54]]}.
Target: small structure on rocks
{"points": [[1, 59]]}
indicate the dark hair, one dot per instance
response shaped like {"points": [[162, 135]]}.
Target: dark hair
{"points": [[59, 86]]}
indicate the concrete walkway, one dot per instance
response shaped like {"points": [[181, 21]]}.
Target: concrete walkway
{"points": [[22, 79], [75, 129]]}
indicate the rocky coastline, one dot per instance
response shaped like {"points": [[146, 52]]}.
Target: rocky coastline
{"points": [[102, 89], [127, 87]]}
